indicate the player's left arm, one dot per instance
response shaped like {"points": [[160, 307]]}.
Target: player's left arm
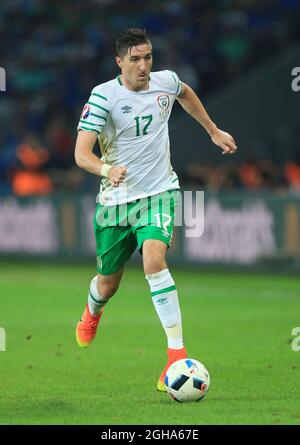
{"points": [[191, 103]]}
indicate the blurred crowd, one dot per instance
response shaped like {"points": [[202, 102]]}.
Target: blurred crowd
{"points": [[251, 174], [32, 171], [55, 52]]}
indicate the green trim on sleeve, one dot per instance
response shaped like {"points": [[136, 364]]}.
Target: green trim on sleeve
{"points": [[90, 123], [99, 117], [99, 95], [98, 106], [176, 81], [81, 127]]}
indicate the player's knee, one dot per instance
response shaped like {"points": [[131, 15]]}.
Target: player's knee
{"points": [[107, 288], [154, 266], [154, 254]]}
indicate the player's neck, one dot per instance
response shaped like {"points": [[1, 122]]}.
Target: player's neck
{"points": [[132, 87]]}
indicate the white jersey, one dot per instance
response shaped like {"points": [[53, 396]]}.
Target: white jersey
{"points": [[133, 132]]}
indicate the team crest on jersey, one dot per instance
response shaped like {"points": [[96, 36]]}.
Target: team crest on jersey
{"points": [[86, 111], [163, 101]]}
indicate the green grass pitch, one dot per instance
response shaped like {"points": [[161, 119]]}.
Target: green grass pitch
{"points": [[238, 325]]}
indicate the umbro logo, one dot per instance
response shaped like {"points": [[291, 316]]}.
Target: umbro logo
{"points": [[126, 109], [162, 301]]}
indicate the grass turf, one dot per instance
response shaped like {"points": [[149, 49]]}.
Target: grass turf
{"points": [[238, 325]]}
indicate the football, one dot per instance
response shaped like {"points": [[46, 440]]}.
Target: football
{"points": [[187, 380]]}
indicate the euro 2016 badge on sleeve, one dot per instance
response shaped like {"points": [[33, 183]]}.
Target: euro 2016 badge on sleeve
{"points": [[86, 111]]}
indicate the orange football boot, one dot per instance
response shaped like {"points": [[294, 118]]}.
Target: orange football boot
{"points": [[173, 356], [86, 328]]}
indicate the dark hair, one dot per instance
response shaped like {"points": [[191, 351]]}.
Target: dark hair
{"points": [[128, 38]]}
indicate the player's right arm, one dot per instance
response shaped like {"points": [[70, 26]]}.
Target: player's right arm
{"points": [[87, 160]]}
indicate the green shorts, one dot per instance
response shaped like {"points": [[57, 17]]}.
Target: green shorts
{"points": [[121, 228]]}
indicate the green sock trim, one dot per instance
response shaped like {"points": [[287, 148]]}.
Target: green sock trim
{"points": [[96, 301], [162, 291]]}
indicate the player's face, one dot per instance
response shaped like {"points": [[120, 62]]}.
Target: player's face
{"points": [[136, 66]]}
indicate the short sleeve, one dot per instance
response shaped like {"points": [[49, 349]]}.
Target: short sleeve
{"points": [[95, 112], [175, 82]]}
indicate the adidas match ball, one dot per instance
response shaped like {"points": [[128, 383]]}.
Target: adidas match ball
{"points": [[187, 380]]}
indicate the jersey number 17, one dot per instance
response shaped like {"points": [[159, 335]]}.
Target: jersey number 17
{"points": [[140, 120]]}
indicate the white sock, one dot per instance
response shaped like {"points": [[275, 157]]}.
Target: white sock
{"points": [[165, 300], [95, 301]]}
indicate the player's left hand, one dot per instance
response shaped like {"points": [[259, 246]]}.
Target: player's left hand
{"points": [[225, 141]]}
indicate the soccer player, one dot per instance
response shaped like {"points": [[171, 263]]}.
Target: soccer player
{"points": [[129, 116]]}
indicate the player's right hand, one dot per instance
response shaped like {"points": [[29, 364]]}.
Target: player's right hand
{"points": [[116, 175]]}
